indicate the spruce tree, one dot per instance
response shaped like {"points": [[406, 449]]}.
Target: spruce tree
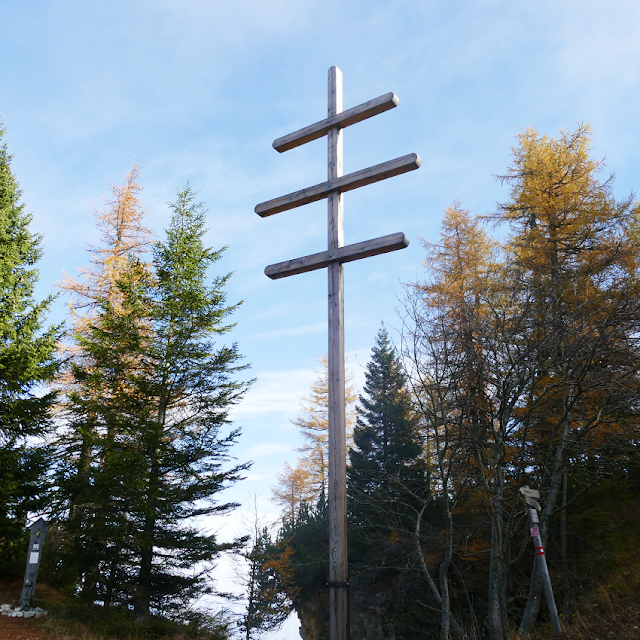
{"points": [[27, 363], [188, 388], [99, 474], [386, 444]]}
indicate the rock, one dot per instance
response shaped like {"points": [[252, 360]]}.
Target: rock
{"points": [[367, 618], [314, 617]]}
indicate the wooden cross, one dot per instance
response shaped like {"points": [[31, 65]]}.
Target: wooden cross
{"points": [[333, 259]]}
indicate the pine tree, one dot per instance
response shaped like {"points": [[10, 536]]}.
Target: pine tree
{"points": [[27, 364]]}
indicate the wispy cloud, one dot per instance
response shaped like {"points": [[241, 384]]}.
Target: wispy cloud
{"points": [[266, 449], [276, 392], [378, 277], [291, 331]]}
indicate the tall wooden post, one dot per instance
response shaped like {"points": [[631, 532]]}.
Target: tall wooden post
{"points": [[337, 421], [334, 258]]}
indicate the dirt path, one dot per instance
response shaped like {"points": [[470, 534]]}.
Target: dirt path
{"points": [[21, 629]]}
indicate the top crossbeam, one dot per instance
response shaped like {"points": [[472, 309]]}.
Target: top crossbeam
{"points": [[341, 120]]}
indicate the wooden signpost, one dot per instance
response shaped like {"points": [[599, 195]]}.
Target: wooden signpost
{"points": [[333, 259], [38, 533]]}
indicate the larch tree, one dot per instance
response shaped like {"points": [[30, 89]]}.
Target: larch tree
{"points": [[313, 423], [294, 487], [572, 250], [122, 236], [446, 360], [530, 352], [102, 352], [27, 366]]}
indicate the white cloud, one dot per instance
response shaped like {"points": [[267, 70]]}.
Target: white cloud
{"points": [[276, 392], [378, 277], [266, 449], [291, 331]]}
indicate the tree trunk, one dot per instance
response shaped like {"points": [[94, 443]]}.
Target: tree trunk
{"points": [[440, 598], [568, 593], [497, 621]]}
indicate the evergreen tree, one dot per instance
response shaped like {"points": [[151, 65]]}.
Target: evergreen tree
{"points": [[103, 352], [269, 587], [99, 474], [27, 362], [386, 442], [188, 387], [148, 405]]}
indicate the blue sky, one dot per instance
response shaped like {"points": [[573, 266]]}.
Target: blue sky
{"points": [[197, 90]]}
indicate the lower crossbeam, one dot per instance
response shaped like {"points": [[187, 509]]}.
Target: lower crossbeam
{"points": [[351, 252]]}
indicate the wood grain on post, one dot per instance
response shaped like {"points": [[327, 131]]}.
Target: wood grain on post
{"points": [[343, 119], [351, 252], [340, 184], [338, 614]]}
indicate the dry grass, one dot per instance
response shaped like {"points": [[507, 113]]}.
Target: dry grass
{"points": [[60, 629], [608, 611]]}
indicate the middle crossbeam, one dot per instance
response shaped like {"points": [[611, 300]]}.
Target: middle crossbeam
{"points": [[349, 182]]}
